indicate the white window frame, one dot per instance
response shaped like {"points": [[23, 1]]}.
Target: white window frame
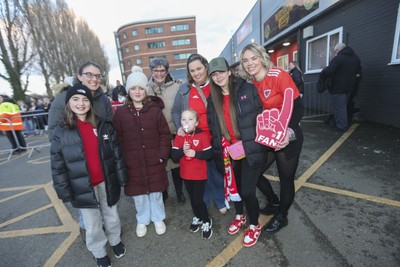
{"points": [[328, 48], [283, 62], [294, 56], [396, 42]]}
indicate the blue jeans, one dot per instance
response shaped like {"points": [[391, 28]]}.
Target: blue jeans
{"points": [[214, 186], [339, 110], [149, 207]]}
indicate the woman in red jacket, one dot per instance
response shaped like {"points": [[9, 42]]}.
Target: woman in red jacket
{"points": [[145, 140]]}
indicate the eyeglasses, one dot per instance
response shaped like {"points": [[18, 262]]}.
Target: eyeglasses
{"points": [[159, 71], [91, 75]]}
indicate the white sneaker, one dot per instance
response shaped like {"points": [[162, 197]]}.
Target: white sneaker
{"points": [[160, 227], [141, 230]]}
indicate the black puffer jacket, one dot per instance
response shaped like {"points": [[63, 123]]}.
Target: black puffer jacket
{"points": [[248, 107], [69, 169]]}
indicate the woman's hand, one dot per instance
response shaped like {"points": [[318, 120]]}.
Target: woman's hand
{"points": [[283, 143]]}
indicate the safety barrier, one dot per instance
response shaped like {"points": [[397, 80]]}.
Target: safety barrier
{"points": [[316, 104], [37, 129]]}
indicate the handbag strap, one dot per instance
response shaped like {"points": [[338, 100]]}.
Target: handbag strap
{"points": [[201, 93]]}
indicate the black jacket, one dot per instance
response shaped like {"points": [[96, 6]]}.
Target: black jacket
{"points": [[248, 106], [70, 173], [297, 77], [343, 69]]}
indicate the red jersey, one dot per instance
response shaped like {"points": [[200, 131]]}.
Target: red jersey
{"points": [[227, 117], [197, 104], [91, 148], [272, 88], [194, 169]]}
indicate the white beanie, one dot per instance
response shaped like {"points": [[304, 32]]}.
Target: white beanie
{"points": [[136, 78]]}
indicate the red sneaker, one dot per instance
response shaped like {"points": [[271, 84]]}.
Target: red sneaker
{"points": [[251, 235], [237, 223]]}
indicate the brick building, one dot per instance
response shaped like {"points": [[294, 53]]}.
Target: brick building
{"points": [[173, 38]]}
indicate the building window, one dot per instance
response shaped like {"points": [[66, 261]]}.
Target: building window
{"points": [[156, 44], [154, 30], [295, 56], [129, 63], [136, 47], [181, 42], [180, 27], [396, 43], [134, 33], [283, 62], [151, 58], [124, 36], [320, 50], [127, 50], [181, 56], [138, 61]]}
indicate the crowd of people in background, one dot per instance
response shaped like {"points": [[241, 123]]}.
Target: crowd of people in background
{"points": [[155, 127]]}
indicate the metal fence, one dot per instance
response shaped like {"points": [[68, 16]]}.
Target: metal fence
{"points": [[35, 125], [316, 104]]}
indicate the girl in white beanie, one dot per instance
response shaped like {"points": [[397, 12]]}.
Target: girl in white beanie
{"points": [[145, 140]]}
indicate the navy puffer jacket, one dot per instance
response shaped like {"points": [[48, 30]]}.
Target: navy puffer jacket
{"points": [[248, 107]]}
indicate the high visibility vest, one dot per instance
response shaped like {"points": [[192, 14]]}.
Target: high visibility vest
{"points": [[10, 111]]}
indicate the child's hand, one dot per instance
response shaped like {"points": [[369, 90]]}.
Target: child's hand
{"points": [[180, 132], [189, 153], [186, 146]]}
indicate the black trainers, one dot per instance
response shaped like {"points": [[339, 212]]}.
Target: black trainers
{"points": [[119, 250], [270, 209], [195, 226], [103, 262], [206, 230], [277, 223]]}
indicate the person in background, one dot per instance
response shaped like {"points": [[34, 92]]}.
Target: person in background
{"points": [[192, 152], [146, 143], [271, 83], [193, 94], [297, 76], [120, 102], [345, 71], [232, 114], [11, 122], [88, 170], [119, 89], [162, 85], [26, 119]]}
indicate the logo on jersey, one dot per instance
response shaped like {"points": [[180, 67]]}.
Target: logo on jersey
{"points": [[267, 93], [195, 142]]}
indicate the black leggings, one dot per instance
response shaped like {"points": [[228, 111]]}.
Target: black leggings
{"points": [[246, 181], [287, 171], [195, 189]]}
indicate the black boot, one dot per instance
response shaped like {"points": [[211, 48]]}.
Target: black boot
{"points": [[270, 209], [277, 223], [178, 183]]}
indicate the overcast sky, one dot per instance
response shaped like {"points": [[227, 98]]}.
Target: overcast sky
{"points": [[216, 20]]}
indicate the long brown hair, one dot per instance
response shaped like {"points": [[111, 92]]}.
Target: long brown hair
{"points": [[217, 98], [70, 117]]}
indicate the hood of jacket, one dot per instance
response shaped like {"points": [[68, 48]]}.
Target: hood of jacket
{"points": [[347, 51]]}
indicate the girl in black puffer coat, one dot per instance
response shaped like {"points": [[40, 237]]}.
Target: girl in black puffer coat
{"points": [[88, 170], [232, 115]]}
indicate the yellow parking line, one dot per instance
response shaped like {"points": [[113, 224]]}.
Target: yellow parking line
{"points": [[25, 215], [342, 192]]}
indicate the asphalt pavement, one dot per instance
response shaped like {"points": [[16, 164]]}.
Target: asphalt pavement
{"points": [[346, 212]]}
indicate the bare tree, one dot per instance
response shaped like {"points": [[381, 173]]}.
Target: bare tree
{"points": [[16, 53], [61, 40]]}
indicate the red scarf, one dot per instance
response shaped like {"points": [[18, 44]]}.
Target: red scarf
{"points": [[230, 188]]}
